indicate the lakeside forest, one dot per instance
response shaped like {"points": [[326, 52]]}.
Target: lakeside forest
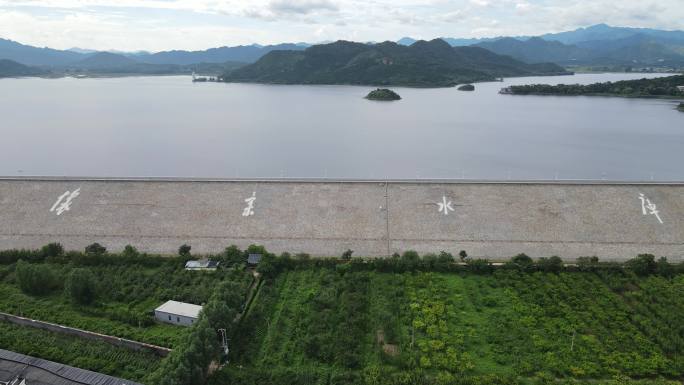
{"points": [[664, 87], [409, 319]]}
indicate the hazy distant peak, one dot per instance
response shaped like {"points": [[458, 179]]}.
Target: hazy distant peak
{"points": [[105, 60], [406, 41], [81, 50]]}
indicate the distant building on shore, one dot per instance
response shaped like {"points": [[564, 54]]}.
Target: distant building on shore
{"points": [[680, 88], [177, 313]]}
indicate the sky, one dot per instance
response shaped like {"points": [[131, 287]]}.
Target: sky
{"points": [[156, 25]]}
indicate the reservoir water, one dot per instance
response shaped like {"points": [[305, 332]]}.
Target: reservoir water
{"points": [[168, 126]]}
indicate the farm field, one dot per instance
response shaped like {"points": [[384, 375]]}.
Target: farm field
{"points": [[91, 355], [125, 300], [335, 326]]}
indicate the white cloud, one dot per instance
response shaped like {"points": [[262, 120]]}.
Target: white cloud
{"points": [[523, 6], [301, 6], [197, 24]]}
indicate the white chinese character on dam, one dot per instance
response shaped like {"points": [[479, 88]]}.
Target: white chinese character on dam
{"points": [[649, 208], [64, 201], [445, 206], [249, 210]]}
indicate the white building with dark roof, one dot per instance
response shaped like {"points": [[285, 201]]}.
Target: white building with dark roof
{"points": [[177, 313]]}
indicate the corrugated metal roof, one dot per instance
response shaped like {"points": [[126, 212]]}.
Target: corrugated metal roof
{"points": [[202, 264], [254, 259], [180, 308], [42, 372]]}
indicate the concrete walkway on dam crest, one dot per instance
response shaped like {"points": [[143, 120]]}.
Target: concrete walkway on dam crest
{"points": [[374, 218]]}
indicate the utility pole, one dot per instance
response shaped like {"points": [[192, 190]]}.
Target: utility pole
{"points": [[413, 336], [224, 341], [572, 344]]}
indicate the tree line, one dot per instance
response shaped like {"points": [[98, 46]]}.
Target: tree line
{"points": [[658, 87]]}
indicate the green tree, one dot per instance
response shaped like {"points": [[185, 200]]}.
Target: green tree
{"points": [[463, 255], [347, 254], [35, 279], [267, 266], [95, 249], [52, 250], [130, 251], [522, 262], [664, 268], [232, 255], [81, 287], [184, 251], [643, 264], [550, 265], [587, 263]]}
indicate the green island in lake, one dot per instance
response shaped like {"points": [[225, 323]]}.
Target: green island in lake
{"points": [[671, 87], [383, 94], [467, 87]]}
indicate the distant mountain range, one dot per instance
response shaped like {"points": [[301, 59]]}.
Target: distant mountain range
{"points": [[598, 45], [636, 50], [422, 64], [245, 54], [77, 59], [606, 33]]}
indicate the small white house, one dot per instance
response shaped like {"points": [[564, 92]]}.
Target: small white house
{"points": [[177, 313], [680, 88], [203, 264]]}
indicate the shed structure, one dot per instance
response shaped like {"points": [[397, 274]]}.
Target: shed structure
{"points": [[254, 259], [15, 368], [177, 313], [203, 264]]}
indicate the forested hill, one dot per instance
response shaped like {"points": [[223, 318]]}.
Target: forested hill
{"points": [[665, 87], [423, 64], [9, 68]]}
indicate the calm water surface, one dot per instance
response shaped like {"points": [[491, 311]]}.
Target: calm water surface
{"points": [[168, 126]]}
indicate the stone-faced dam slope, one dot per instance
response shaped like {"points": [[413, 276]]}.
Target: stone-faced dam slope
{"points": [[324, 218]]}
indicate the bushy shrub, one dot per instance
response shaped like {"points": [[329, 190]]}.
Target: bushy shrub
{"points": [[232, 255], [643, 264], [95, 249], [184, 250], [550, 265], [130, 252], [35, 279], [81, 287], [52, 250]]}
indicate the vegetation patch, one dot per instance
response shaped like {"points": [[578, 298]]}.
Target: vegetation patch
{"points": [[428, 320], [665, 87], [86, 354], [108, 293], [525, 323], [383, 94]]}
